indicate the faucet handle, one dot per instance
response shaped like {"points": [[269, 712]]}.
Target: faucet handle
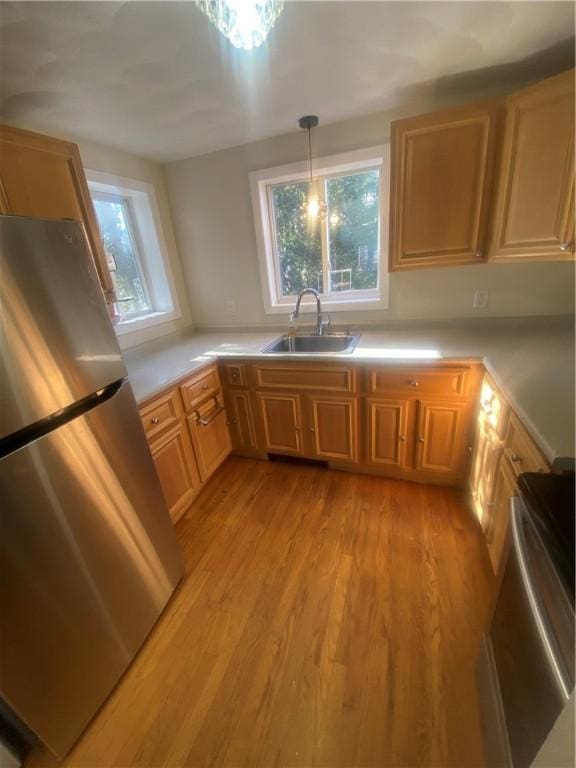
{"points": [[325, 321]]}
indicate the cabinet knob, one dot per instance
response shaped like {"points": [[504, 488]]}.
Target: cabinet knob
{"points": [[297, 428], [567, 246], [420, 439], [479, 253], [204, 386], [311, 429], [155, 420], [414, 383], [515, 458], [402, 438]]}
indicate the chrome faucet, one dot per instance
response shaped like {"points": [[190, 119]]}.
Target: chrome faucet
{"points": [[320, 324]]}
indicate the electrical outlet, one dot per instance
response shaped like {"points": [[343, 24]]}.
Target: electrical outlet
{"points": [[480, 300], [230, 306]]}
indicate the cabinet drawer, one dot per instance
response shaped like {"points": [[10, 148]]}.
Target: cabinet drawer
{"points": [[522, 452], [197, 388], [234, 374], [320, 378], [161, 414], [442, 381]]}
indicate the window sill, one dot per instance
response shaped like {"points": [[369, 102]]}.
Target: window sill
{"points": [[353, 305], [146, 321]]}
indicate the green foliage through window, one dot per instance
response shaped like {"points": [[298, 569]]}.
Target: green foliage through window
{"points": [[116, 229], [347, 258]]}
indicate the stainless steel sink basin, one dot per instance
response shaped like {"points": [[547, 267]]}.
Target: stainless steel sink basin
{"points": [[326, 344]]}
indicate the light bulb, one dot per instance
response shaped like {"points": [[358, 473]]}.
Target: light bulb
{"points": [[313, 207]]}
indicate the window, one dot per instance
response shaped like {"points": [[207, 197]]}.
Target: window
{"points": [[124, 259], [132, 238], [340, 254]]}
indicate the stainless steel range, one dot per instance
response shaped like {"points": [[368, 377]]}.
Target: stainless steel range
{"points": [[526, 664]]}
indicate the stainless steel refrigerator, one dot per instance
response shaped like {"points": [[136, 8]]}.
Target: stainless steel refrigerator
{"points": [[88, 554]]}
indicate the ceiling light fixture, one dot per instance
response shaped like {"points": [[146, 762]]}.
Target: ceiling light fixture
{"points": [[246, 23], [314, 206]]}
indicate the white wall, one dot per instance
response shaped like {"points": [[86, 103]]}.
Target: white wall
{"points": [[211, 208]]}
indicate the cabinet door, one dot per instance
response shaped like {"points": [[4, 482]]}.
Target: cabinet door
{"points": [[210, 436], [440, 437], [43, 177], [441, 183], [281, 422], [241, 421], [487, 451], [177, 470], [533, 211], [387, 432], [333, 426], [498, 521]]}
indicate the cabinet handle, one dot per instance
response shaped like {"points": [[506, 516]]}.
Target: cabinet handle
{"points": [[154, 420], [414, 383], [210, 418], [515, 458]]}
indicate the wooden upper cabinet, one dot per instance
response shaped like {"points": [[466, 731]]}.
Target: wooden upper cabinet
{"points": [[441, 185], [534, 205], [43, 177]]}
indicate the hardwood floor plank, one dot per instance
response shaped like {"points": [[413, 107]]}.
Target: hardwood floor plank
{"points": [[325, 619]]}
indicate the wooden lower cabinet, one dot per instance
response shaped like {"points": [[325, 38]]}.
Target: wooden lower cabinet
{"points": [[440, 436], [333, 427], [209, 431], [498, 519], [176, 467], [488, 449], [387, 432], [241, 421], [281, 416]]}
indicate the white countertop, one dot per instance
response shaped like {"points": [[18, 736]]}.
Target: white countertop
{"points": [[532, 360]]}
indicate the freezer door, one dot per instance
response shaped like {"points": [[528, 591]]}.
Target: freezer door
{"points": [[88, 560], [57, 343]]}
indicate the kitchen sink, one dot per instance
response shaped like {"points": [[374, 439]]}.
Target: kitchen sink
{"points": [[313, 344]]}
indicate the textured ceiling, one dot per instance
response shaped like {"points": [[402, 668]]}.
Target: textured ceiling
{"points": [[157, 79]]}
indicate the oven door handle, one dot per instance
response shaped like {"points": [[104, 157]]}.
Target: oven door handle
{"points": [[519, 543]]}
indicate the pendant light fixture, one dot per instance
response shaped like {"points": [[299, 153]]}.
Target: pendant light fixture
{"points": [[314, 206]]}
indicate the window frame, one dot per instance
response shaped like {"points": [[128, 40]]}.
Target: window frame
{"points": [[150, 247], [135, 239], [261, 184]]}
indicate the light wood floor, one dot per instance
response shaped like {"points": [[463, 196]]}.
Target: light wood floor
{"points": [[325, 619]]}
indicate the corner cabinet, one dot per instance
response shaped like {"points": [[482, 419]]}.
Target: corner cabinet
{"points": [[534, 204], [442, 168], [43, 177], [188, 437]]}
